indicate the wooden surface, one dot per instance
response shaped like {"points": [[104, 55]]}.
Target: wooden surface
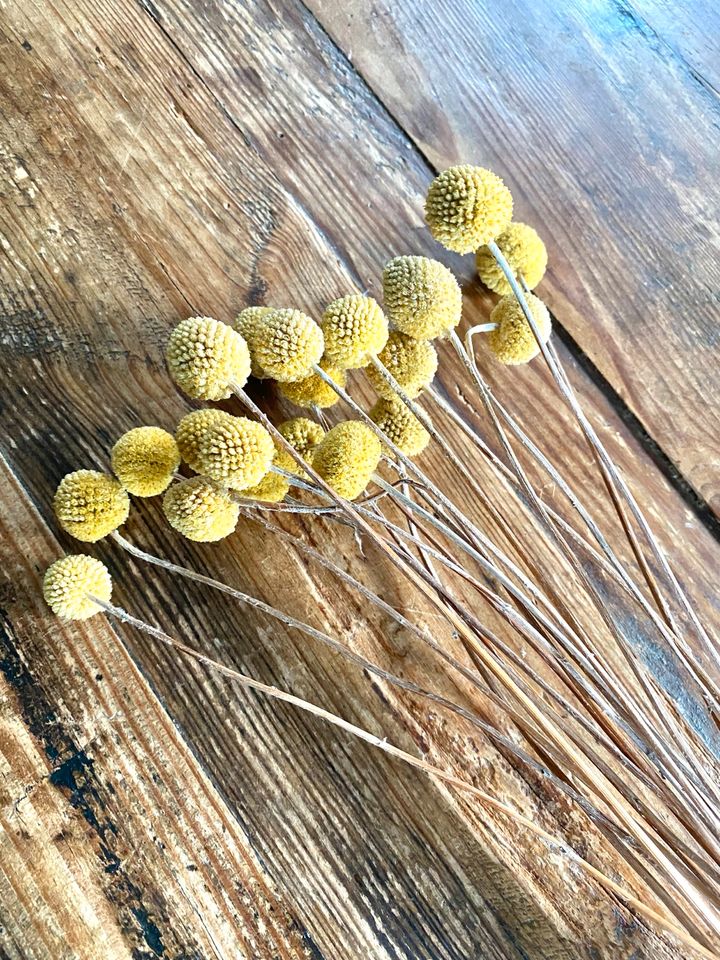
{"points": [[166, 158]]}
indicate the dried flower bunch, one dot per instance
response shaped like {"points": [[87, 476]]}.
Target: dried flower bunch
{"points": [[539, 641]]}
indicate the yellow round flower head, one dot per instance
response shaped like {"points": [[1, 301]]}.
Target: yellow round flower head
{"points": [[286, 345], [400, 425], [144, 460], [70, 582], [312, 390], [355, 329], [347, 457], [302, 434], [190, 431], [513, 341], [200, 509], [467, 207], [89, 505], [236, 452], [273, 487], [248, 323], [524, 251], [422, 297], [411, 362], [205, 357]]}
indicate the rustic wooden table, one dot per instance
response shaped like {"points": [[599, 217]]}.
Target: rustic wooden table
{"points": [[167, 157]]}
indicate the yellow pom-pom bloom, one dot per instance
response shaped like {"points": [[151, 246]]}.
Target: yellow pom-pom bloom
{"points": [[347, 457], [200, 509], [312, 390], [144, 460], [513, 341], [467, 207], [273, 487], [206, 357], [302, 434], [355, 328], [89, 505], [248, 324], [70, 582], [236, 452], [286, 344], [422, 297], [525, 253], [400, 425], [190, 431], [412, 363]]}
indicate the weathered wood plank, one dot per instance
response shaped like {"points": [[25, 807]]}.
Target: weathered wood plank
{"points": [[605, 125], [145, 182]]}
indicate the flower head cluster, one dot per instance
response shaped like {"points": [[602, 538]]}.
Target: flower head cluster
{"points": [[467, 207], [347, 457], [286, 344], [411, 362], [71, 582], [525, 253], [302, 434], [313, 391], [235, 451], [144, 460], [200, 509], [89, 505], [248, 323], [513, 341], [206, 358], [422, 297], [190, 431], [355, 329], [400, 425]]}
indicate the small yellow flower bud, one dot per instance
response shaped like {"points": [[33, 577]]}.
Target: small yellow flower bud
{"points": [[236, 452], [286, 345], [400, 425], [347, 457], [206, 357], [273, 488], [312, 390], [467, 207], [200, 509], [355, 328], [513, 341], [248, 323], [144, 460], [525, 253], [71, 581], [190, 431], [422, 297], [89, 505], [411, 362], [302, 434]]}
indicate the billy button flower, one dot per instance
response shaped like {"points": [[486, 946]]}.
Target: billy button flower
{"points": [[286, 344], [400, 425], [191, 429], [302, 434], [467, 207], [201, 509], [512, 340], [248, 323], [207, 358], [413, 363], [347, 457], [274, 486], [144, 460], [525, 253], [235, 451], [71, 583], [355, 330], [89, 505], [422, 297]]}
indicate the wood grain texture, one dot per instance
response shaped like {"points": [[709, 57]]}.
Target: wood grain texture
{"points": [[604, 122], [165, 159]]}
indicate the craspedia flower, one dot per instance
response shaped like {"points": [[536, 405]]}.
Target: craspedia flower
{"points": [[236, 452], [400, 425], [422, 297], [200, 509], [206, 357], [312, 390], [347, 457], [355, 328], [467, 207], [248, 323], [302, 434], [144, 460], [273, 487], [286, 344], [513, 341], [412, 363], [525, 253], [71, 581], [191, 429], [89, 505]]}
